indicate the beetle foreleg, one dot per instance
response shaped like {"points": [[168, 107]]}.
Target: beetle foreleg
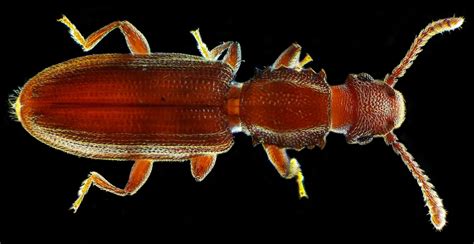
{"points": [[290, 58], [136, 41], [287, 168], [303, 62], [138, 175], [202, 165]]}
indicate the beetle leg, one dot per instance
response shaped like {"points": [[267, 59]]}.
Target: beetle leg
{"points": [[287, 168], [202, 46], [290, 58], [303, 62], [216, 52], [136, 41], [138, 175], [201, 165], [233, 57]]}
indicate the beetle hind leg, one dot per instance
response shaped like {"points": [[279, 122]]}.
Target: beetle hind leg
{"points": [[139, 174], [288, 168], [201, 165], [136, 41]]}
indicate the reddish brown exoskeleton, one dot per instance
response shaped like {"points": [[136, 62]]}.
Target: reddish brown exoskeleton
{"points": [[150, 107]]}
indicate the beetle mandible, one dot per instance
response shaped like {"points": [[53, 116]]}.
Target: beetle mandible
{"points": [[150, 107]]}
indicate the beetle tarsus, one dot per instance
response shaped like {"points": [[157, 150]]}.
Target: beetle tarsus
{"points": [[136, 41], [233, 57], [138, 175], [286, 167], [299, 179]]}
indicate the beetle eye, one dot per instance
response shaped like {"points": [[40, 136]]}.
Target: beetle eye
{"points": [[363, 140], [365, 77], [390, 91], [390, 124]]}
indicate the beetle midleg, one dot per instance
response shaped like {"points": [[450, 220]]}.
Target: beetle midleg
{"points": [[204, 50], [202, 46], [216, 52], [233, 57], [290, 58], [288, 168], [201, 165], [136, 41], [138, 175]]}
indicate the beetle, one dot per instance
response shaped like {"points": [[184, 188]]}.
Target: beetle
{"points": [[152, 107]]}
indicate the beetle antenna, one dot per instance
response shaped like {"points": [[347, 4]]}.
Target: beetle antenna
{"points": [[429, 31], [433, 202]]}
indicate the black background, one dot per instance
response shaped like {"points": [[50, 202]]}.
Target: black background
{"points": [[357, 193]]}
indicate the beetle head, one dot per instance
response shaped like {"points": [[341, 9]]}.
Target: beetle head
{"points": [[378, 108]]}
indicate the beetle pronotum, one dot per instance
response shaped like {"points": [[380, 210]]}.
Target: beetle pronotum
{"points": [[150, 107]]}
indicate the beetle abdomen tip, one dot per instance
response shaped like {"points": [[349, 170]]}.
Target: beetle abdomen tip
{"points": [[15, 106]]}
